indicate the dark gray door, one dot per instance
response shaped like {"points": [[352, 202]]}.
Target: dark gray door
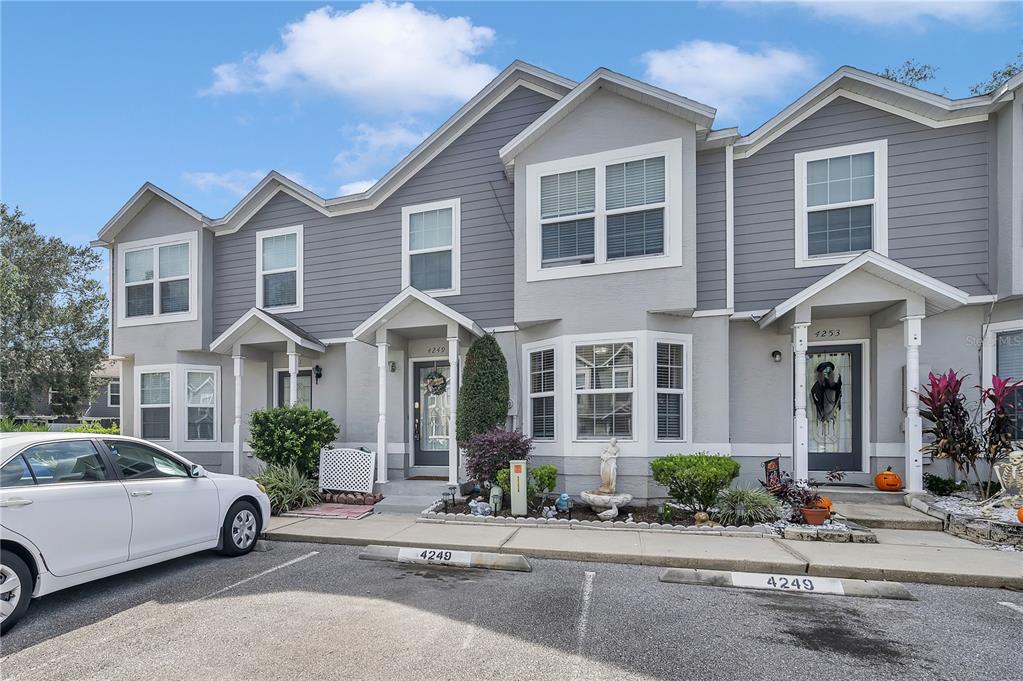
{"points": [[430, 410], [834, 407]]}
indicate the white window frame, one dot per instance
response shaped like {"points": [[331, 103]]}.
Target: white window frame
{"points": [[299, 268], [178, 405], [110, 385], [456, 245], [190, 238], [637, 372], [879, 237], [673, 255], [527, 416], [686, 341]]}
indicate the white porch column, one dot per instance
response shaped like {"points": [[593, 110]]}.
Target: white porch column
{"points": [[453, 410], [239, 371], [382, 347], [292, 374], [800, 434], [913, 427]]}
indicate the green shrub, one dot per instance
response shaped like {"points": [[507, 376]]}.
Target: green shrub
{"points": [[288, 488], [12, 426], [291, 435], [747, 506], [483, 396], [939, 486], [694, 481], [539, 481], [96, 428]]}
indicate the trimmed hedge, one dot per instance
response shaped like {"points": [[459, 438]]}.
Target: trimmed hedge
{"points": [[483, 396], [694, 481], [291, 435]]}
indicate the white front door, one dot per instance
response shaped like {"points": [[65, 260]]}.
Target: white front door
{"points": [[169, 508], [73, 508]]}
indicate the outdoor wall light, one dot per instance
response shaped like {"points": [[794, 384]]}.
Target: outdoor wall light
{"points": [[776, 355], [317, 372], [392, 366]]}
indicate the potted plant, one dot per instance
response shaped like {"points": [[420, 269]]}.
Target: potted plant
{"points": [[801, 496]]}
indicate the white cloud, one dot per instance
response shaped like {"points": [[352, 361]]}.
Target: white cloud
{"points": [[725, 76], [382, 54], [888, 12], [356, 187], [375, 148], [237, 182]]}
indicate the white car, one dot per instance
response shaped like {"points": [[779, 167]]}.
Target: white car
{"points": [[75, 507]]}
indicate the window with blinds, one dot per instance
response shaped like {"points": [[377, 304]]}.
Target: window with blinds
{"points": [[1009, 365], [279, 261], [156, 280], [541, 394], [634, 199], [670, 391], [604, 387], [567, 195]]}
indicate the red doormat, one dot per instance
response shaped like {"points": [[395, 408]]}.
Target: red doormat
{"points": [[346, 511]]}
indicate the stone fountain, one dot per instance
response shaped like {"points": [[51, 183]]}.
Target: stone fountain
{"points": [[605, 500]]}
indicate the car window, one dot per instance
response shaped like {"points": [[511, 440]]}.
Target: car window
{"points": [[16, 473], [139, 462], [67, 461]]}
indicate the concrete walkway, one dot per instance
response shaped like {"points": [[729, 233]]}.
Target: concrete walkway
{"points": [[900, 555]]}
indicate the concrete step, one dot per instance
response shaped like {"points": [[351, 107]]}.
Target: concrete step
{"points": [[405, 503], [413, 487], [886, 516], [861, 495]]}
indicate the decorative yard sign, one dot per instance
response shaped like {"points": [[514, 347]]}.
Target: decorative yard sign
{"points": [[792, 583], [434, 556], [772, 472]]}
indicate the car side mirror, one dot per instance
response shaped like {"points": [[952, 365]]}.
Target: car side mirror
{"points": [[197, 471]]}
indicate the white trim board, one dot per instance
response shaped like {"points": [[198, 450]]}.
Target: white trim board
{"points": [[227, 338], [399, 302]]}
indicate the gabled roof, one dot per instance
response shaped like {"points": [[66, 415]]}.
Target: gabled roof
{"points": [[134, 206], [924, 107], [695, 112], [254, 317], [517, 74], [939, 295], [366, 331]]}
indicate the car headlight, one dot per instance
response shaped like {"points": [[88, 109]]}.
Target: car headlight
{"points": [[260, 487]]}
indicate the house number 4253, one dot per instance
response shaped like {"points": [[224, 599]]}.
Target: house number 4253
{"points": [[827, 333]]}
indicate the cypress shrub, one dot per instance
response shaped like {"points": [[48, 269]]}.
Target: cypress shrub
{"points": [[483, 397]]}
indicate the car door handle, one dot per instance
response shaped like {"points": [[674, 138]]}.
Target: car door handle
{"points": [[11, 503], [141, 493]]}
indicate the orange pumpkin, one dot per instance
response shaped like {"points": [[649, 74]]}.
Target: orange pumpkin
{"points": [[824, 502], [1019, 514], [888, 481]]}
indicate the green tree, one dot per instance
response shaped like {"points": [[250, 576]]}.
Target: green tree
{"points": [[910, 72], [53, 317], [483, 398], [998, 76]]}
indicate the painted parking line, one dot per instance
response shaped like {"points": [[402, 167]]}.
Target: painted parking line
{"points": [[424, 555], [584, 620], [257, 576], [793, 584], [1012, 606]]}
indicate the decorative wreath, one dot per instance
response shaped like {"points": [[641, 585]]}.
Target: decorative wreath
{"points": [[435, 383]]}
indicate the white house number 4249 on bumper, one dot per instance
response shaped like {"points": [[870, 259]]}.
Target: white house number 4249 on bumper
{"points": [[434, 556]]}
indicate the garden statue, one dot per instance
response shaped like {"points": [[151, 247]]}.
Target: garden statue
{"points": [[549, 512], [1010, 474], [480, 507], [496, 496], [564, 502], [609, 467], [609, 514]]}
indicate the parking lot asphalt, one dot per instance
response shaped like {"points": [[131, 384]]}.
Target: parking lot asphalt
{"points": [[302, 611]]}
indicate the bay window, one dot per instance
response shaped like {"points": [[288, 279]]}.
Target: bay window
{"points": [[279, 258], [669, 390], [201, 401], [155, 405], [158, 280], [541, 394], [841, 203], [178, 404], [431, 248], [604, 385]]}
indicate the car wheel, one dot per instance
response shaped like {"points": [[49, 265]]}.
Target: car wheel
{"points": [[241, 529], [15, 589]]}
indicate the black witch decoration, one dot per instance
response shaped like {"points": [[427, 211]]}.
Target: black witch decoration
{"points": [[826, 392]]}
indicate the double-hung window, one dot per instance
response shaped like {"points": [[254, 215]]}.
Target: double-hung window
{"points": [[541, 394], [431, 251], [155, 404], [114, 394], [841, 203], [634, 199], [279, 269], [567, 213], [158, 280], [1009, 365], [604, 390], [201, 404], [670, 390]]}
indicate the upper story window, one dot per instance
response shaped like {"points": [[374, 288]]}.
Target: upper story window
{"points": [[615, 211], [431, 247], [279, 269], [841, 203], [158, 279]]}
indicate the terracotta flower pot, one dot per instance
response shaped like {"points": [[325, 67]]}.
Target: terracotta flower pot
{"points": [[815, 516]]}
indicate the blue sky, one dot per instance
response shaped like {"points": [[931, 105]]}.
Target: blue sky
{"points": [[204, 98]]}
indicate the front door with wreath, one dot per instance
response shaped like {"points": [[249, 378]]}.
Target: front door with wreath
{"points": [[430, 409]]}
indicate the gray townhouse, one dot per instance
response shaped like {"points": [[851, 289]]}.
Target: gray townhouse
{"points": [[649, 277]]}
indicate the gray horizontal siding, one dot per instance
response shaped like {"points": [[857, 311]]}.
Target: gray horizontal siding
{"points": [[353, 262], [711, 248], [938, 199]]}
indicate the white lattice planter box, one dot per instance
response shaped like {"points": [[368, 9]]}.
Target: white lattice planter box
{"points": [[347, 470]]}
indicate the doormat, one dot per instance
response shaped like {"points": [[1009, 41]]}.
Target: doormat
{"points": [[428, 477], [344, 511]]}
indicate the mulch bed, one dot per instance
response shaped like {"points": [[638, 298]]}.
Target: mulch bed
{"points": [[640, 514]]}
